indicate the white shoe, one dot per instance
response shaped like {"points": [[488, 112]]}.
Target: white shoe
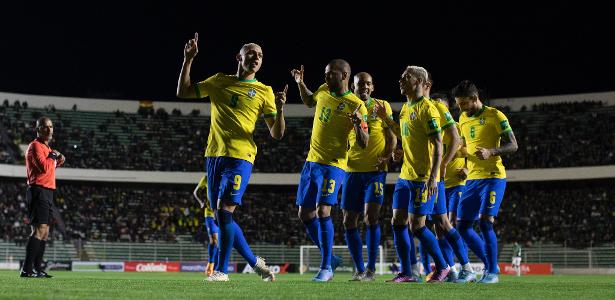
{"points": [[261, 269], [217, 276]]}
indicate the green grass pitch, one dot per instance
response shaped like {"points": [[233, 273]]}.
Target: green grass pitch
{"points": [[135, 286]]}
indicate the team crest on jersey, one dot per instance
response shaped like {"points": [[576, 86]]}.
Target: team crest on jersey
{"points": [[482, 121], [413, 116], [251, 93], [341, 106]]}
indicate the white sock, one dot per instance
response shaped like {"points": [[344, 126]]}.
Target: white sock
{"points": [[467, 267]]}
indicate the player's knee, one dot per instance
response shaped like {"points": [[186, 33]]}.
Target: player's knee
{"points": [[487, 218], [323, 211], [350, 223], [371, 218], [306, 214], [41, 231]]}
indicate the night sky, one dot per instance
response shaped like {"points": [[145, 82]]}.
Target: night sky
{"points": [[134, 51]]}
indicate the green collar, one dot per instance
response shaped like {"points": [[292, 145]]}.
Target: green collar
{"points": [[411, 105], [334, 94], [246, 80], [370, 102], [479, 112]]}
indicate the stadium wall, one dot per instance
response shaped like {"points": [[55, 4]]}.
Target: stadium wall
{"points": [[550, 174], [291, 110]]}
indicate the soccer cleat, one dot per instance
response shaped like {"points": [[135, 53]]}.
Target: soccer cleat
{"points": [[210, 269], [217, 276], [428, 276], [368, 275], [43, 274], [439, 275], [261, 269], [323, 275], [356, 276], [466, 276], [416, 272], [336, 261], [452, 275], [489, 278], [402, 278], [25, 274]]}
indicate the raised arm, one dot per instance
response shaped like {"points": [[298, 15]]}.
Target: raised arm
{"points": [[277, 125], [306, 94], [382, 114], [185, 89]]}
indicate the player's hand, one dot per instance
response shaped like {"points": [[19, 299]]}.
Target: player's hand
{"points": [[355, 117], [191, 48], [383, 161], [61, 159], [432, 187], [462, 173], [297, 74], [398, 154], [482, 153], [380, 110], [280, 99]]}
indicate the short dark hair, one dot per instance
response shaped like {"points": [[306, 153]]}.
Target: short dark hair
{"points": [[440, 95], [41, 121], [465, 89]]}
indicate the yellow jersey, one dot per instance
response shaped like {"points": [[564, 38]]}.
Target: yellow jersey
{"points": [[331, 128], [202, 191], [484, 130], [417, 122], [458, 162], [235, 107], [364, 160]]}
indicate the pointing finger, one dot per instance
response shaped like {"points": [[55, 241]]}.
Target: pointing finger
{"points": [[196, 36], [285, 89]]}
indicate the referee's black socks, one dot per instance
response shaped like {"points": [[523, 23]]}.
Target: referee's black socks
{"points": [[32, 248], [38, 259]]}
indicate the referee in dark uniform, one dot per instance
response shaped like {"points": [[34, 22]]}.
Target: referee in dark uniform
{"points": [[41, 163]]}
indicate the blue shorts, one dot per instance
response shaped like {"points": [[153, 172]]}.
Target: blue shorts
{"points": [[227, 179], [406, 190], [453, 194], [360, 188], [210, 224], [439, 205], [319, 184], [481, 196]]}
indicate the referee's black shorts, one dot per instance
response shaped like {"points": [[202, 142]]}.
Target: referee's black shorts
{"points": [[40, 204]]}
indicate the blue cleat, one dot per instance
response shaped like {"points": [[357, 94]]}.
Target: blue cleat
{"points": [[489, 278], [323, 275], [466, 276], [336, 261]]}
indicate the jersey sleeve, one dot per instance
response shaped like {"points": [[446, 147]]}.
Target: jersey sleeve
{"points": [[446, 119], [269, 109], [321, 89], [389, 111], [202, 88], [431, 119], [502, 126], [363, 112]]}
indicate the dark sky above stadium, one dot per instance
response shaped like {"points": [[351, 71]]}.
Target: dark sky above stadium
{"points": [[134, 50]]}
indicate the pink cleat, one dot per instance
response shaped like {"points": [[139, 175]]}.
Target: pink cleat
{"points": [[402, 278], [439, 275]]}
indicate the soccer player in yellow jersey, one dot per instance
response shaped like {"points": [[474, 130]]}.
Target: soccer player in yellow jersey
{"points": [[450, 189], [486, 136], [200, 194], [338, 112], [237, 101], [417, 186], [363, 187]]}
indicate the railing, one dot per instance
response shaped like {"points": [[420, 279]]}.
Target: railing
{"points": [[559, 256]]}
